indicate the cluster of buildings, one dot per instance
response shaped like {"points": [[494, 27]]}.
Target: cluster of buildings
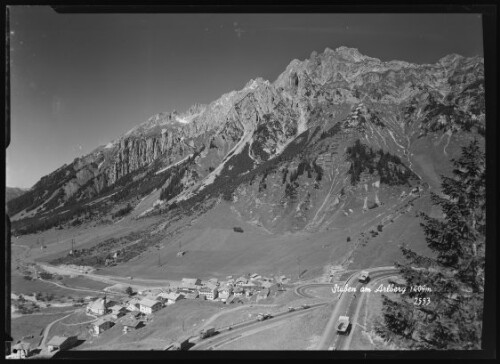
{"points": [[23, 350], [132, 312], [230, 289]]}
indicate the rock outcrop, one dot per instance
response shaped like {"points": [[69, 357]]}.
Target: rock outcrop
{"points": [[397, 107]]}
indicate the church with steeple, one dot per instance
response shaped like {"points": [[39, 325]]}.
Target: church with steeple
{"points": [[98, 307]]}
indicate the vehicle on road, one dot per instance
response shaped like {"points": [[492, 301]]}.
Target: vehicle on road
{"points": [[304, 306], [179, 345], [343, 325], [291, 309], [263, 316], [364, 276], [210, 331]]}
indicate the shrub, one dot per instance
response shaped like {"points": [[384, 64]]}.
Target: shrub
{"points": [[46, 275], [123, 211]]}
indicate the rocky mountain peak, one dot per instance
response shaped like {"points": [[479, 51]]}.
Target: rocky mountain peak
{"points": [[318, 98], [450, 59], [253, 84], [349, 54]]}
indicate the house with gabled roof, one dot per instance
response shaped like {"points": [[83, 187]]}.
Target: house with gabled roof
{"points": [[131, 323], [241, 281], [210, 293], [118, 311], [102, 325], [238, 291], [148, 306], [171, 297], [61, 343], [225, 291], [133, 304]]}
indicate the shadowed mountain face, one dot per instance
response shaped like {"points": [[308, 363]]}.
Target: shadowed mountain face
{"points": [[13, 192], [334, 132]]}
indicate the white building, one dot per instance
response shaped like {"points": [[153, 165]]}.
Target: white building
{"points": [[209, 292], [225, 291], [149, 306]]}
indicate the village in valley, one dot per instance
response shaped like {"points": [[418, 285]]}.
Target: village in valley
{"points": [[238, 182], [131, 310], [134, 312]]}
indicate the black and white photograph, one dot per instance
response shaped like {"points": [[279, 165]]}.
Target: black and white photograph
{"points": [[245, 181]]}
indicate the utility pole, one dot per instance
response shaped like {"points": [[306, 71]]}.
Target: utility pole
{"points": [[298, 264]]}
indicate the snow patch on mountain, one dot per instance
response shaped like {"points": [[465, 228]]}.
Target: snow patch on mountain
{"points": [[182, 120], [302, 124], [209, 179], [237, 149], [173, 164], [392, 136], [186, 119]]}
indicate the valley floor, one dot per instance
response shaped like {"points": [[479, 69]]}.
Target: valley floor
{"points": [[213, 249]]}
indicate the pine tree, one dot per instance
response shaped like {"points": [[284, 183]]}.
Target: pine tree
{"points": [[453, 317]]}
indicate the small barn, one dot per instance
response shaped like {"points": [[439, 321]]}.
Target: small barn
{"points": [[149, 306], [131, 323], [171, 297], [102, 325], [60, 343]]}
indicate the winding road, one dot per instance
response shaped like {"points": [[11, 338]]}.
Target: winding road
{"points": [[43, 345], [250, 327], [348, 304]]}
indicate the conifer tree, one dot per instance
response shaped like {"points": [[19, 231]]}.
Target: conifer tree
{"points": [[449, 317]]}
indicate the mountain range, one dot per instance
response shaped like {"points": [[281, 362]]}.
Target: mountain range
{"points": [[334, 133], [13, 192]]}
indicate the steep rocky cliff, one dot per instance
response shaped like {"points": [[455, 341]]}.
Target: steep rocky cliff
{"points": [[293, 136]]}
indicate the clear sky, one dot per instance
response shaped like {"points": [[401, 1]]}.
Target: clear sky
{"points": [[81, 80]]}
